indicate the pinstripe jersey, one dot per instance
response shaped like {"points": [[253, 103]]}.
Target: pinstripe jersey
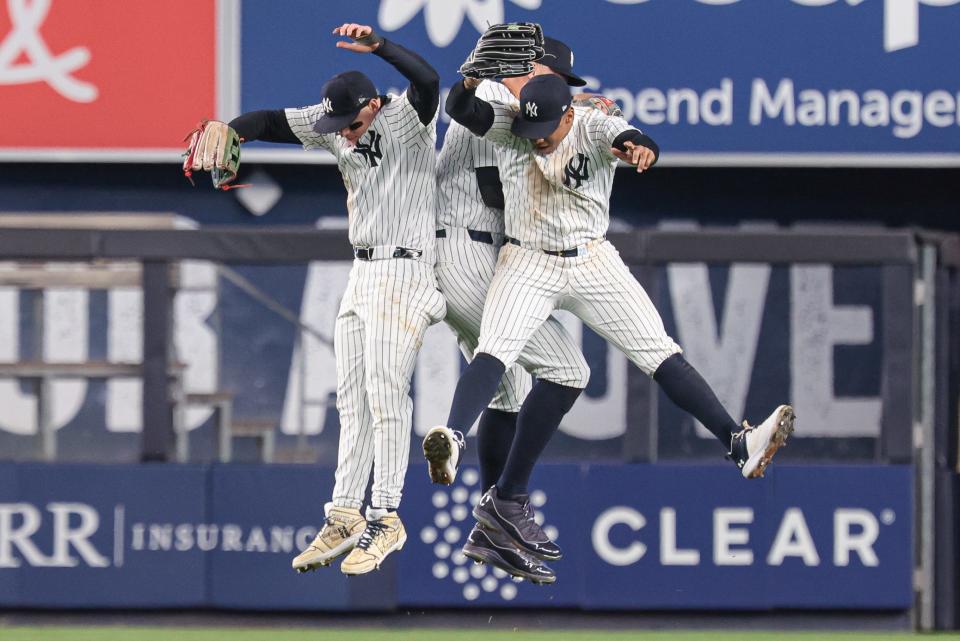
{"points": [[561, 200], [458, 196], [390, 175]]}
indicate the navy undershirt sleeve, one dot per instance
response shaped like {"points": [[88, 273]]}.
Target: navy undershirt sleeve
{"points": [[266, 125], [470, 111], [424, 90], [637, 138]]}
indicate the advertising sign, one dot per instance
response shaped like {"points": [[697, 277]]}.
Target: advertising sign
{"points": [[104, 77], [770, 82], [633, 537]]}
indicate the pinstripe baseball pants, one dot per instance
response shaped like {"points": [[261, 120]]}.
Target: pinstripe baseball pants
{"points": [[387, 307], [465, 269], [596, 286]]}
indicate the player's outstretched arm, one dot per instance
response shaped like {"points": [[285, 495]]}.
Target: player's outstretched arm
{"points": [[266, 125], [424, 90], [463, 106]]}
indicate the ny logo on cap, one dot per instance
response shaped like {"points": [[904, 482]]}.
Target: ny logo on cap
{"points": [[532, 109], [325, 106]]}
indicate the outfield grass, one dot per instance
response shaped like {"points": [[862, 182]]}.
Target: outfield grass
{"points": [[418, 634]]}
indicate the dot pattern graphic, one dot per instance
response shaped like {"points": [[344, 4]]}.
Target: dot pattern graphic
{"points": [[449, 530]]}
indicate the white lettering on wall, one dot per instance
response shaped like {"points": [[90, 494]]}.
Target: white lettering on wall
{"points": [[817, 325]]}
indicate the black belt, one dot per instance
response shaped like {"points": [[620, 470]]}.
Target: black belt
{"points": [[562, 253], [366, 253], [479, 236]]}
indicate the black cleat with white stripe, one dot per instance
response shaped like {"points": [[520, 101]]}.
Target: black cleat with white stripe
{"points": [[514, 518], [493, 548]]}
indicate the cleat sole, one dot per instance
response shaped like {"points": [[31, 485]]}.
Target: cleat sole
{"points": [[345, 548], [784, 430], [437, 449], [482, 556]]}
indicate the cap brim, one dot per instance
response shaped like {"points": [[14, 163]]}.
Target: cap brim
{"points": [[330, 124], [574, 80], [534, 130]]}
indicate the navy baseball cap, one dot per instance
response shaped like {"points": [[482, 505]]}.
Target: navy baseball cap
{"points": [[343, 96], [559, 58], [543, 101]]}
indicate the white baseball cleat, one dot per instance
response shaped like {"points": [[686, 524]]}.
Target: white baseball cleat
{"points": [[752, 448], [340, 534], [442, 448]]}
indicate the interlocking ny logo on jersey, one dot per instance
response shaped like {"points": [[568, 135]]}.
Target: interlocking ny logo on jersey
{"points": [[576, 171], [370, 150]]}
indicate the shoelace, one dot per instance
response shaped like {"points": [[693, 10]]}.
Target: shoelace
{"points": [[529, 524], [458, 437], [737, 436], [342, 529], [372, 531]]}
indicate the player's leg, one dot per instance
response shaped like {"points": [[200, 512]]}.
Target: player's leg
{"points": [[611, 301], [554, 357], [401, 302], [465, 269], [496, 429], [344, 523], [521, 297], [520, 300]]}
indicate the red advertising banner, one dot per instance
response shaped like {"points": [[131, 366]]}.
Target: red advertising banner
{"points": [[105, 74]]}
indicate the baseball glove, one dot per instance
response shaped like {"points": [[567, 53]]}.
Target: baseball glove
{"points": [[598, 102], [505, 50], [215, 147]]}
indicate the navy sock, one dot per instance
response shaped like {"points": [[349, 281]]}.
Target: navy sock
{"points": [[538, 420], [685, 387], [475, 390], [494, 436]]}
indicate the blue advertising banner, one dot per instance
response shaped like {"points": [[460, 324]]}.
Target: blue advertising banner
{"points": [[681, 536], [634, 536], [772, 81]]}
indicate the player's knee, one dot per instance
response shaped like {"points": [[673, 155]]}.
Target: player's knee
{"points": [[386, 392], [652, 361], [572, 373]]}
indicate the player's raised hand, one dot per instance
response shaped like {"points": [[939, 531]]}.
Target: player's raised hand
{"points": [[364, 39], [641, 157]]}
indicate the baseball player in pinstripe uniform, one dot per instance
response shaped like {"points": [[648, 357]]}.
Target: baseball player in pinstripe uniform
{"points": [[557, 167], [470, 234], [385, 146]]}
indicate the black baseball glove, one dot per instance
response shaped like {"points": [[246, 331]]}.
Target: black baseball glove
{"points": [[505, 50]]}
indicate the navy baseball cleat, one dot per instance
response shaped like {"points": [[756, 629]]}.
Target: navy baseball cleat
{"points": [[515, 519], [493, 548], [752, 448], [442, 447]]}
